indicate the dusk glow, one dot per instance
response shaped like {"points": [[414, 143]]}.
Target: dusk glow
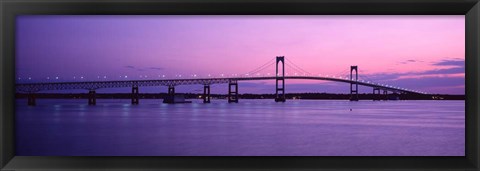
{"points": [[424, 53], [208, 85]]}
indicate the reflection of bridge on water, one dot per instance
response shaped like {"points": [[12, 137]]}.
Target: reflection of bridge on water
{"points": [[280, 77]]}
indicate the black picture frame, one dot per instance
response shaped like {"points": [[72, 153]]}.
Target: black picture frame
{"points": [[10, 8]]}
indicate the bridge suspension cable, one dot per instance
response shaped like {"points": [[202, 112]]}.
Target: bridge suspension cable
{"points": [[296, 66], [262, 67], [344, 73], [295, 70]]}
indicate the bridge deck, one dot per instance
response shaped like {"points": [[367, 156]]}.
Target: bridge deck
{"points": [[92, 85]]}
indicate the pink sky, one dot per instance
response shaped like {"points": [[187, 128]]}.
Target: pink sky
{"points": [[391, 49]]}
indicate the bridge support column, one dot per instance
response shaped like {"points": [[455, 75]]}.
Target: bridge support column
{"points": [[135, 95], [170, 99], [280, 77], [31, 99], [233, 93], [385, 95], [376, 94], [206, 94], [171, 90], [402, 95], [92, 97], [354, 97]]}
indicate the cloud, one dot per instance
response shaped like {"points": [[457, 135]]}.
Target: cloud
{"points": [[460, 63], [143, 69], [455, 70], [446, 76], [427, 83], [410, 61], [155, 68], [457, 63]]}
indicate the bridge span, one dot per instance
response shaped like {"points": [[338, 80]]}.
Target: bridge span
{"points": [[91, 86]]}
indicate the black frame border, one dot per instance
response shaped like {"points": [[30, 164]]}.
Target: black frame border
{"points": [[10, 8]]}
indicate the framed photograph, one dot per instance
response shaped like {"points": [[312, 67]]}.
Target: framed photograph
{"points": [[240, 85]]}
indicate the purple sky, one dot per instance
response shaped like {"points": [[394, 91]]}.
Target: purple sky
{"points": [[424, 53]]}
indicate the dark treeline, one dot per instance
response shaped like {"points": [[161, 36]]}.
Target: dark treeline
{"points": [[249, 96]]}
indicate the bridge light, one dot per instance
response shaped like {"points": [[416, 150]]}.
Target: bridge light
{"points": [[126, 76], [194, 75], [80, 77], [29, 78], [56, 78], [105, 76]]}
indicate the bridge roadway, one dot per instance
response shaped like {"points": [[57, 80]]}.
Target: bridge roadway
{"points": [[32, 88], [93, 85]]}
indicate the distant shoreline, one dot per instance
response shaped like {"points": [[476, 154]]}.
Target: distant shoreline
{"points": [[306, 96]]}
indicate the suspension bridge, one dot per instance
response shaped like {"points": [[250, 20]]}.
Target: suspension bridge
{"points": [[279, 77]]}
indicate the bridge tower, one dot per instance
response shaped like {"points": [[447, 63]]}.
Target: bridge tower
{"points": [[135, 94], [233, 93], [354, 97], [206, 93], [92, 100], [280, 97]]}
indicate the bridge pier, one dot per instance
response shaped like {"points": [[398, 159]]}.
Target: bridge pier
{"points": [[280, 97], [206, 94], [135, 95], [402, 95], [31, 99], [233, 94], [385, 95], [171, 90], [170, 99], [354, 97], [92, 97], [376, 96]]}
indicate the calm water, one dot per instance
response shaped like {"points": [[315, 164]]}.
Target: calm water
{"points": [[251, 127]]}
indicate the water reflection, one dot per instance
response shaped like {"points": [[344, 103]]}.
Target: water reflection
{"points": [[251, 127]]}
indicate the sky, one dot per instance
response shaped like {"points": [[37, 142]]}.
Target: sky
{"points": [[424, 53]]}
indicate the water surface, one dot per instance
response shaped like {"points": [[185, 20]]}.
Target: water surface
{"points": [[61, 127]]}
